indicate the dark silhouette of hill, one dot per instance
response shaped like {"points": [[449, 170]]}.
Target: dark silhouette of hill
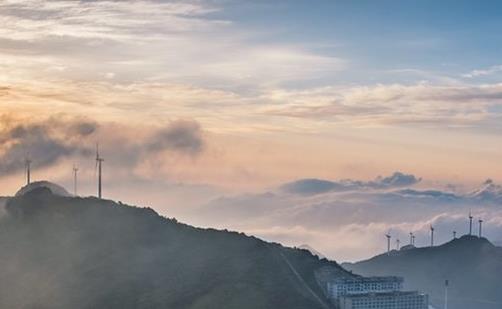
{"points": [[472, 265], [70, 252]]}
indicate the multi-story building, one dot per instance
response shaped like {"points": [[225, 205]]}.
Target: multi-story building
{"points": [[392, 300], [363, 285], [374, 293]]}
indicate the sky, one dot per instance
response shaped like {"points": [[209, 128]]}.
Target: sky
{"points": [[207, 110]]}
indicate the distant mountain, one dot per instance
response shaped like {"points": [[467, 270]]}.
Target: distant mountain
{"points": [[472, 265], [68, 252]]}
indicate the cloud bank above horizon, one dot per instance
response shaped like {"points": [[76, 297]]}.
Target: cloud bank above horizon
{"points": [[348, 221]]}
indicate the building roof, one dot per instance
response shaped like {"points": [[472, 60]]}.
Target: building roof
{"points": [[385, 294], [54, 188], [368, 279]]}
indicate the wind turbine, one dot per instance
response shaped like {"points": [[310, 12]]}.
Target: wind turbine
{"points": [[75, 171], [454, 234], [99, 162], [397, 244], [388, 242], [480, 227], [411, 238], [27, 165], [470, 223], [432, 236]]}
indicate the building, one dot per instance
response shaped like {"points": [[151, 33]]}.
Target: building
{"points": [[374, 293], [392, 300], [363, 285]]}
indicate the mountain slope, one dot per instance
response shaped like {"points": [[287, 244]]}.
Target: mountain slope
{"points": [[64, 252], [471, 264]]}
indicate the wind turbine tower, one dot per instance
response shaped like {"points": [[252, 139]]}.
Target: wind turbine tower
{"points": [[432, 236], [454, 234], [446, 294], [397, 244], [470, 223], [75, 171], [99, 162], [480, 227], [412, 239], [27, 164], [388, 242]]}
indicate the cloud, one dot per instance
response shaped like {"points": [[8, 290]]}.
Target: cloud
{"points": [[152, 48], [488, 192], [397, 179], [489, 71], [311, 186], [429, 194], [4, 91], [50, 140], [149, 41], [112, 20], [47, 141], [271, 66], [318, 186], [181, 135], [392, 104], [350, 224]]}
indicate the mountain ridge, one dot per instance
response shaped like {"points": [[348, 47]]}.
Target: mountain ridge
{"points": [[470, 264], [73, 252]]}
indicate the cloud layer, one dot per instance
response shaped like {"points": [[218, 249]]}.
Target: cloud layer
{"points": [[47, 141], [348, 221], [50, 140], [182, 136], [117, 58], [423, 104], [317, 186]]}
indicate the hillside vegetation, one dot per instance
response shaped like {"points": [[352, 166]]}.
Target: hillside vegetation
{"points": [[66, 252], [472, 265]]}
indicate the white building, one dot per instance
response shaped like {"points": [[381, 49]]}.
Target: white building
{"points": [[374, 293], [393, 300], [363, 285]]}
